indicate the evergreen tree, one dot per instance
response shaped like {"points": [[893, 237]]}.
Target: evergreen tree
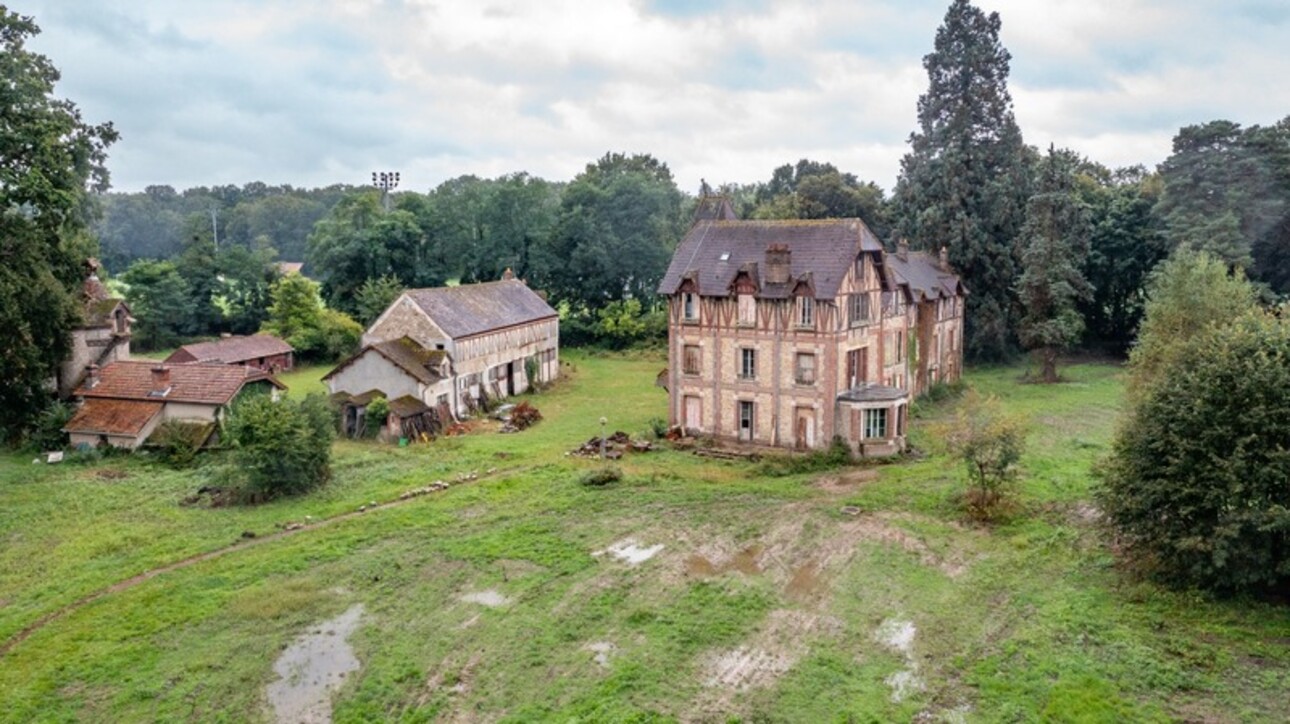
{"points": [[1221, 192], [964, 183], [1055, 240], [49, 159]]}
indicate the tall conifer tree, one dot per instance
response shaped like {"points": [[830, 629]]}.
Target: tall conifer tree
{"points": [[1055, 242], [965, 180]]}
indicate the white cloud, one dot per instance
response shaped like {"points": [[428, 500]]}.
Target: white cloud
{"points": [[324, 92]]}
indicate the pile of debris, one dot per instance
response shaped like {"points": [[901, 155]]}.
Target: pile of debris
{"points": [[519, 417], [614, 446]]}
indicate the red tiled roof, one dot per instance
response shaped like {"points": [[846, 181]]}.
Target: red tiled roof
{"points": [[231, 350], [112, 417], [204, 383]]}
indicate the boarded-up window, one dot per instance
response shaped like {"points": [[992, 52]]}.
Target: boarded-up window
{"points": [[804, 369], [747, 309], [690, 365]]}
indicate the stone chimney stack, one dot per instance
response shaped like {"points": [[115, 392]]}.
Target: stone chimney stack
{"points": [[902, 249], [92, 376], [945, 259], [778, 264], [160, 378]]}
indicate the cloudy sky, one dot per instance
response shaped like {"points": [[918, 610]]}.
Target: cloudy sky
{"points": [[314, 92]]}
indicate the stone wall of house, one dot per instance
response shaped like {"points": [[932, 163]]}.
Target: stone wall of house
{"points": [[405, 319], [371, 371], [96, 345]]}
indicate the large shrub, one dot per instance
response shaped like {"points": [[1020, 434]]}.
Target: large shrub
{"points": [[281, 448], [989, 441], [1198, 483]]}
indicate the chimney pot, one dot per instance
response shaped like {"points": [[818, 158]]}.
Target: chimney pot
{"points": [[902, 249], [93, 378], [945, 258], [508, 274]]}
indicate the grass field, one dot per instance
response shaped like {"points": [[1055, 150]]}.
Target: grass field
{"points": [[765, 603]]}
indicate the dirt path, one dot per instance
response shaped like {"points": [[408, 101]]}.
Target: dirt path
{"points": [[239, 545]]}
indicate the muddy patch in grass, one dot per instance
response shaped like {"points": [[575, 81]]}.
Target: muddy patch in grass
{"points": [[746, 561], [312, 668]]}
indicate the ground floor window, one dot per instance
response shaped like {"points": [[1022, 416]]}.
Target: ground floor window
{"points": [[875, 423]]}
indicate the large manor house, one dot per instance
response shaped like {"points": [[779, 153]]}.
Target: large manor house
{"points": [[788, 333]]}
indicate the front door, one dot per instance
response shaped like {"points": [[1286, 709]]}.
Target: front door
{"points": [[804, 428], [745, 421], [693, 413]]}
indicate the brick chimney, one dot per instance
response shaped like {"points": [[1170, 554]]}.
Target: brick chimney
{"points": [[160, 379], [945, 259], [902, 249], [778, 264], [92, 376]]}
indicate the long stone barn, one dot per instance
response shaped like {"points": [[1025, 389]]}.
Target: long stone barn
{"points": [[452, 347]]}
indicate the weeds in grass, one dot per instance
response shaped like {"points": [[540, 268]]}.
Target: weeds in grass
{"points": [[600, 477], [837, 454]]}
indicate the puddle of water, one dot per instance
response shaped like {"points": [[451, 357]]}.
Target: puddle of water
{"points": [[745, 561], [805, 581], [631, 552], [312, 668], [490, 598], [697, 565]]}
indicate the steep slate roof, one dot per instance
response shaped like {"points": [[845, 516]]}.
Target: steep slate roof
{"points": [[472, 309], [113, 417], [232, 350], [922, 272], [822, 248], [203, 383], [421, 363], [99, 302]]}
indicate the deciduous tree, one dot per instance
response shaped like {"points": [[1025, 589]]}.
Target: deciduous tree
{"points": [[49, 159]]}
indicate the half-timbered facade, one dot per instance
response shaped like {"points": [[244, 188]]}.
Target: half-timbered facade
{"points": [[787, 333]]}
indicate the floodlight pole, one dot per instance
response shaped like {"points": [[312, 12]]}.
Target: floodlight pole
{"points": [[386, 181]]}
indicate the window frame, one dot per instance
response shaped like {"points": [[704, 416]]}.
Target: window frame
{"points": [[805, 317], [798, 377], [875, 420], [747, 363], [689, 307], [859, 309]]}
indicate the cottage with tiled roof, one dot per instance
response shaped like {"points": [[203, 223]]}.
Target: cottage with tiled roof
{"points": [[103, 336], [787, 333], [124, 402], [261, 351], [495, 339]]}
